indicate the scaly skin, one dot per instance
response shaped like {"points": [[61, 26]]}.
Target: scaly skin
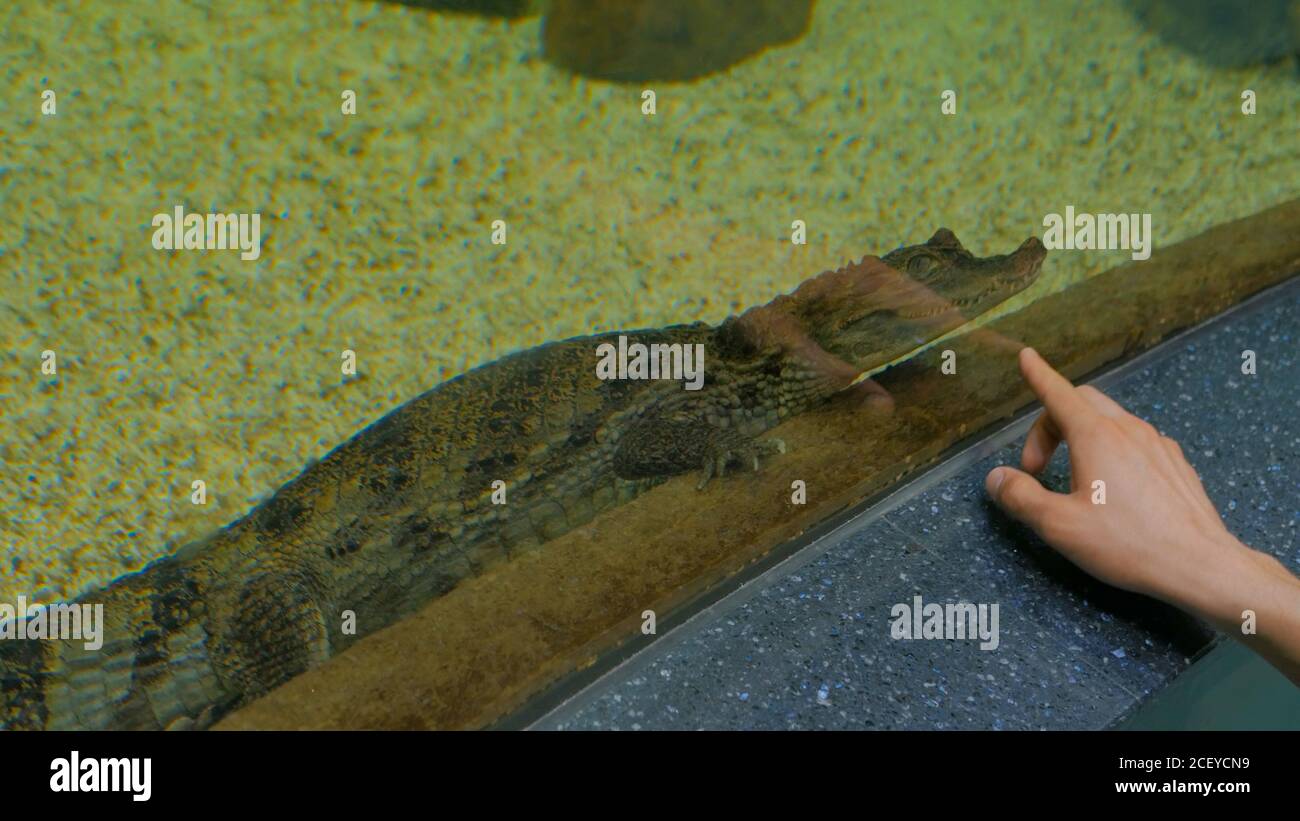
{"points": [[402, 512]]}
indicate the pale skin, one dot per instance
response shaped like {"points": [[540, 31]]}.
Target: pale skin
{"points": [[1158, 533]]}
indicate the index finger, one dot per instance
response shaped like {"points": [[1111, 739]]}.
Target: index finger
{"points": [[1067, 407]]}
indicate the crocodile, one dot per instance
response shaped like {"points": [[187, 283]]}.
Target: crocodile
{"points": [[411, 505]]}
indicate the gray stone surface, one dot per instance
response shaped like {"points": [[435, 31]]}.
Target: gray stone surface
{"points": [[808, 645]]}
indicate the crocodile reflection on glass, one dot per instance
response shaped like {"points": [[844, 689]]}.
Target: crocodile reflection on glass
{"points": [[403, 511]]}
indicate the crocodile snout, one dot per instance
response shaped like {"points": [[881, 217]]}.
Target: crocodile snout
{"points": [[1029, 257]]}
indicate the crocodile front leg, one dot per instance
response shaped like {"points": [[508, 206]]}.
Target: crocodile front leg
{"points": [[729, 447], [657, 447]]}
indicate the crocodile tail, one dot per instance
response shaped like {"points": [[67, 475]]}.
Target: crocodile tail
{"points": [[146, 667], [22, 685]]}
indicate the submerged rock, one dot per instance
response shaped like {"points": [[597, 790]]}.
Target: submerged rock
{"points": [[1225, 33], [486, 8], [633, 40]]}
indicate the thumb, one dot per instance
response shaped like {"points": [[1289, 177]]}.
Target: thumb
{"points": [[1020, 495]]}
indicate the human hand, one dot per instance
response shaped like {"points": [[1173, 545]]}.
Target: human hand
{"points": [[1136, 516], [1156, 532]]}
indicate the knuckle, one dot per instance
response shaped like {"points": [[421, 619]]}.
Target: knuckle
{"points": [[1092, 426], [1140, 428], [1104, 427]]}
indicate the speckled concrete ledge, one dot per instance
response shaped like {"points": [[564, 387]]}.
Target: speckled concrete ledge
{"points": [[807, 644]]}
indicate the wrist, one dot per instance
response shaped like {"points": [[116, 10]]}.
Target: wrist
{"points": [[1218, 580], [1234, 578]]}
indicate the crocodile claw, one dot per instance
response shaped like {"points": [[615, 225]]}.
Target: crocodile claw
{"points": [[719, 458]]}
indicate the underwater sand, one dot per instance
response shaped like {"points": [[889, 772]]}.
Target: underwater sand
{"points": [[182, 366]]}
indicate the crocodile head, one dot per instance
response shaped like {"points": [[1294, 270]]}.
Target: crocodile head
{"points": [[962, 280], [870, 314]]}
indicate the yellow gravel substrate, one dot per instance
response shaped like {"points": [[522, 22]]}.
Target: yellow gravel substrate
{"points": [[182, 366]]}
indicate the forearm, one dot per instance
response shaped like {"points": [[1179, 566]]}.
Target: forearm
{"points": [[1252, 597]]}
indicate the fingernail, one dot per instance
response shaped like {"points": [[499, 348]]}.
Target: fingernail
{"points": [[996, 477]]}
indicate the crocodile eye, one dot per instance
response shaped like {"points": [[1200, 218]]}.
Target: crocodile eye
{"points": [[920, 264]]}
